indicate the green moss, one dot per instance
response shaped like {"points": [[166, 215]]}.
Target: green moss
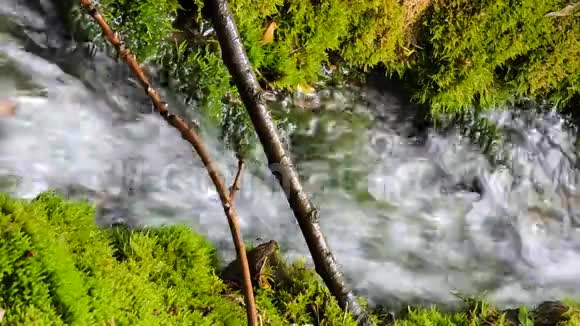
{"points": [[456, 54], [146, 24], [365, 33], [57, 267], [486, 52]]}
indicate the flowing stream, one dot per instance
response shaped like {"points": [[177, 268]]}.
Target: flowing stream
{"points": [[413, 217]]}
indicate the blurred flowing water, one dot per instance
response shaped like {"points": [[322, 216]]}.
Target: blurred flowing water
{"points": [[412, 216]]}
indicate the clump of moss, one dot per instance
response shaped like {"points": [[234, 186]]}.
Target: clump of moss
{"points": [[172, 33], [364, 33], [483, 53], [58, 267], [478, 312], [455, 54]]}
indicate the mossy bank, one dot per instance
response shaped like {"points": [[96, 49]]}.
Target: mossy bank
{"points": [[57, 267], [453, 54]]}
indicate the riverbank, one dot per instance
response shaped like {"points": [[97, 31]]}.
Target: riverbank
{"points": [[58, 267], [452, 55]]}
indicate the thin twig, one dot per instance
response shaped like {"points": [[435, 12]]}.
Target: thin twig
{"points": [[236, 185], [191, 136]]}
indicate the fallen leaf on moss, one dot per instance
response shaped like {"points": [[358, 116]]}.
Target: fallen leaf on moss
{"points": [[268, 36]]}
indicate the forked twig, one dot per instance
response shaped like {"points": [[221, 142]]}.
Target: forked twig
{"points": [[236, 185], [191, 136]]}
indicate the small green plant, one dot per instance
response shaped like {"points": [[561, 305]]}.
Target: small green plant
{"points": [[147, 25], [524, 318]]}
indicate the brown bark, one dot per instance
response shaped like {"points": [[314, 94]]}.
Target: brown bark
{"points": [[191, 136], [238, 179], [236, 59]]}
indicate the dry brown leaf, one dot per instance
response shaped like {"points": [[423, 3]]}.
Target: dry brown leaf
{"points": [[7, 108], [268, 36]]}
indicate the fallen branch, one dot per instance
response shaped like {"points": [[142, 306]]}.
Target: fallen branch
{"points": [[236, 59], [191, 136]]}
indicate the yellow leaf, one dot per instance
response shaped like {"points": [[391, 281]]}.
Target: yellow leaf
{"points": [[306, 89], [268, 36]]}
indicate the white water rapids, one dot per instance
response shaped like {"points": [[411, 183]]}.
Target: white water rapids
{"points": [[413, 242]]}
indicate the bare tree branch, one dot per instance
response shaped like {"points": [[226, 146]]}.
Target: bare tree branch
{"points": [[236, 185], [280, 164], [191, 136]]}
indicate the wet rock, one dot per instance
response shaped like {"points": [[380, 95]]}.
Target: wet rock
{"points": [[474, 185], [259, 259], [550, 313], [9, 183]]}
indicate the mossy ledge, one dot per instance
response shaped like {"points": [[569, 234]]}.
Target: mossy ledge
{"points": [[453, 54], [57, 267]]}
